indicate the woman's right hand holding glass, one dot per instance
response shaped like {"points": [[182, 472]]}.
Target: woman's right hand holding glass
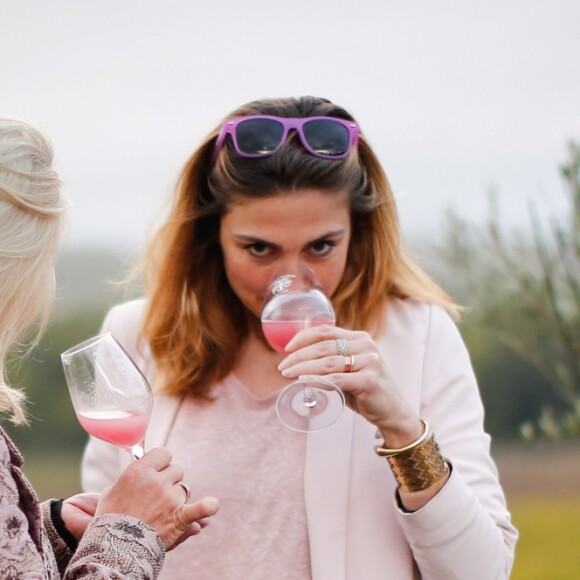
{"points": [[152, 490], [351, 359]]}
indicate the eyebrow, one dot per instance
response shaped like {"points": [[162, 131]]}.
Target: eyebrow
{"points": [[255, 240]]}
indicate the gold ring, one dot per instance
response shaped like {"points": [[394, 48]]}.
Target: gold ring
{"points": [[341, 347], [349, 363], [185, 489]]}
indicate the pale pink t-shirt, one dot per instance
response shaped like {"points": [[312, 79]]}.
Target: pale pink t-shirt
{"points": [[237, 450]]}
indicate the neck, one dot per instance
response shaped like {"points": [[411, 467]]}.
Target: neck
{"points": [[256, 362]]}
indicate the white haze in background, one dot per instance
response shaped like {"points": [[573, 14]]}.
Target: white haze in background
{"points": [[456, 97]]}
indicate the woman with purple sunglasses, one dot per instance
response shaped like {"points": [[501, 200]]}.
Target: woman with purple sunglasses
{"points": [[402, 485]]}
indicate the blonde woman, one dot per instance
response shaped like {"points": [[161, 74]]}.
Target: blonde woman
{"points": [[281, 183], [126, 531]]}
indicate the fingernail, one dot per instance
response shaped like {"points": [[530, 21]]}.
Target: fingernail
{"points": [[211, 503]]}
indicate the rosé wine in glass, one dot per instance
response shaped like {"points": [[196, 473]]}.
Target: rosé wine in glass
{"points": [[111, 397], [122, 428], [280, 332]]}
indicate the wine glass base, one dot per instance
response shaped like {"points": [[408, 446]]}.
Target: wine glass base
{"points": [[310, 405]]}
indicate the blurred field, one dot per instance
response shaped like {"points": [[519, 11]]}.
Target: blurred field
{"points": [[542, 484], [549, 547]]}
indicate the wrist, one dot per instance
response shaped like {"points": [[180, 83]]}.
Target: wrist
{"points": [[400, 434], [60, 526]]}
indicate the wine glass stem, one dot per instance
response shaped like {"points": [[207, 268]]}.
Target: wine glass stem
{"points": [[137, 451], [309, 398]]}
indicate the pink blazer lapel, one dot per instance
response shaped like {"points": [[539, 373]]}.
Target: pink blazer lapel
{"points": [[326, 486], [162, 418]]}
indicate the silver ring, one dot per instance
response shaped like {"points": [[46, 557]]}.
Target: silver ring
{"points": [[349, 363], [185, 489], [341, 347]]}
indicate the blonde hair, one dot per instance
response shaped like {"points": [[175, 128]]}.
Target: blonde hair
{"points": [[194, 322], [31, 210]]}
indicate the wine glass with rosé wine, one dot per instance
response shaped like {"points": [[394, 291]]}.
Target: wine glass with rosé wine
{"points": [[111, 398], [295, 302]]}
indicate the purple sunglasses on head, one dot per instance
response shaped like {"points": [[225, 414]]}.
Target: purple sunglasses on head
{"points": [[263, 135]]}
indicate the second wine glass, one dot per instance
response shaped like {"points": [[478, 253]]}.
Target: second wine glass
{"points": [[295, 302], [111, 397]]}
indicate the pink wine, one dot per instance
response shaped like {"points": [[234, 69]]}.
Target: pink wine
{"points": [[280, 333], [122, 428]]}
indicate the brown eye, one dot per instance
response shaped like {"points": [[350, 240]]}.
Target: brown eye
{"points": [[258, 250], [321, 248]]}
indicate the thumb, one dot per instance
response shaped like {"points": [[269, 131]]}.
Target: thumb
{"points": [[200, 509]]}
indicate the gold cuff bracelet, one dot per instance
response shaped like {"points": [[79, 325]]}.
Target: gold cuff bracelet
{"points": [[420, 467]]}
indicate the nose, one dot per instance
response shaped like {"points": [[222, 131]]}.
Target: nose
{"points": [[290, 265], [304, 276]]}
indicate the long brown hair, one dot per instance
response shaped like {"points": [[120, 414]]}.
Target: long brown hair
{"points": [[194, 323]]}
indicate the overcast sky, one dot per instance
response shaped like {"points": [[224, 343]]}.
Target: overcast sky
{"points": [[455, 96]]}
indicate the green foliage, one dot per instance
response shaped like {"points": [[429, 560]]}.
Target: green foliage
{"points": [[527, 289], [54, 426], [513, 392]]}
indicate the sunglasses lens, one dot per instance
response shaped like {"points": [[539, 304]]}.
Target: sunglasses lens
{"points": [[327, 137], [259, 136]]}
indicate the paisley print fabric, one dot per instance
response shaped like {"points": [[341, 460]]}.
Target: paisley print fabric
{"points": [[114, 546]]}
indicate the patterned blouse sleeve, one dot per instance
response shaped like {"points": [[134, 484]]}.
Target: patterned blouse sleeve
{"points": [[61, 550], [117, 546], [113, 546]]}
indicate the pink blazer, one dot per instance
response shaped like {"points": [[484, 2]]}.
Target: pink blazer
{"points": [[355, 527]]}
